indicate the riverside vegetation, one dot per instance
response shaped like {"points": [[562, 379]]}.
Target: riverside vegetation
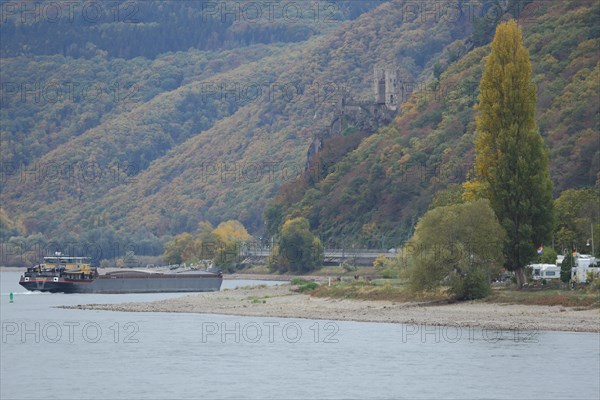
{"points": [[160, 189], [141, 187]]}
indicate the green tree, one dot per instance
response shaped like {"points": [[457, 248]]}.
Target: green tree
{"points": [[458, 244], [483, 27], [470, 285], [565, 268], [452, 194], [7, 227], [298, 250], [548, 256], [577, 211], [511, 162], [273, 217]]}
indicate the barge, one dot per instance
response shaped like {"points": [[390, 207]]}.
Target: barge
{"points": [[65, 274]]}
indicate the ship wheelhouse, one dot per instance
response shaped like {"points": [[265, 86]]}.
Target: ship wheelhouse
{"points": [[59, 266]]}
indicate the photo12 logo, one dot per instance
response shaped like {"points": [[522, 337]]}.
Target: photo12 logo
{"points": [[254, 172], [82, 173], [288, 12], [60, 12], [425, 333], [69, 332], [247, 92], [52, 92], [456, 11], [269, 332]]}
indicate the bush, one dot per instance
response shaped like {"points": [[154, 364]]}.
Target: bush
{"points": [[347, 267], [304, 285], [594, 286], [593, 282], [308, 287], [426, 273], [470, 286], [590, 277], [298, 281], [381, 262], [389, 273]]}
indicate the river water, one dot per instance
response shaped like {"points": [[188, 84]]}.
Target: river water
{"points": [[53, 353]]}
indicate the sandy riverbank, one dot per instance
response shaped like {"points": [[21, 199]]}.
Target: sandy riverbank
{"points": [[281, 301]]}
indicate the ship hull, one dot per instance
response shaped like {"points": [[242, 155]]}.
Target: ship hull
{"points": [[154, 283]]}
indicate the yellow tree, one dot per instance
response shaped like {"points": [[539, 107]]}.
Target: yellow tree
{"points": [[511, 162], [183, 248], [228, 237]]}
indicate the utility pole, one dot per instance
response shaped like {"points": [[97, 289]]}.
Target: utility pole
{"points": [[592, 229]]}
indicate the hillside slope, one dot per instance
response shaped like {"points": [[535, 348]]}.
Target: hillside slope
{"points": [[377, 192], [217, 130], [160, 159]]}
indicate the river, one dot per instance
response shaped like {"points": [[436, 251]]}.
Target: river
{"points": [[53, 353]]}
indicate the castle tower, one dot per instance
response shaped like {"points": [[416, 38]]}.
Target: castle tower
{"points": [[393, 95], [380, 85], [388, 87]]}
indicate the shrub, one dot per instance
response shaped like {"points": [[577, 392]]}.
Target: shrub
{"points": [[381, 263], [298, 281], [304, 285], [474, 284], [308, 287], [593, 281], [389, 273], [590, 277], [347, 267]]}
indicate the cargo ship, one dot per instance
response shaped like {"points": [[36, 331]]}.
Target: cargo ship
{"points": [[63, 274]]}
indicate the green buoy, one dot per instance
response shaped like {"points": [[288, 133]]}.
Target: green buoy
{"points": [[11, 297]]}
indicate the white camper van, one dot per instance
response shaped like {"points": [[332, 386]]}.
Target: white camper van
{"points": [[584, 263], [545, 271]]}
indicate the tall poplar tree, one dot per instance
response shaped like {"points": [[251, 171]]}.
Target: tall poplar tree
{"points": [[511, 162]]}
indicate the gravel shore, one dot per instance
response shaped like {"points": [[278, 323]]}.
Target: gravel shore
{"points": [[281, 301]]}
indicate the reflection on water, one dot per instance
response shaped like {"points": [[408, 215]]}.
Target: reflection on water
{"points": [[54, 353]]}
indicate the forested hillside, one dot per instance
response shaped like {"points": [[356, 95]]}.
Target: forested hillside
{"points": [[161, 158], [142, 124], [130, 29], [380, 189]]}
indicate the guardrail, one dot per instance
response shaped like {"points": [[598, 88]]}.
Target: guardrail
{"points": [[328, 253]]}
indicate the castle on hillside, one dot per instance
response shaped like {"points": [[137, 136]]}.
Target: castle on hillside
{"points": [[391, 88]]}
